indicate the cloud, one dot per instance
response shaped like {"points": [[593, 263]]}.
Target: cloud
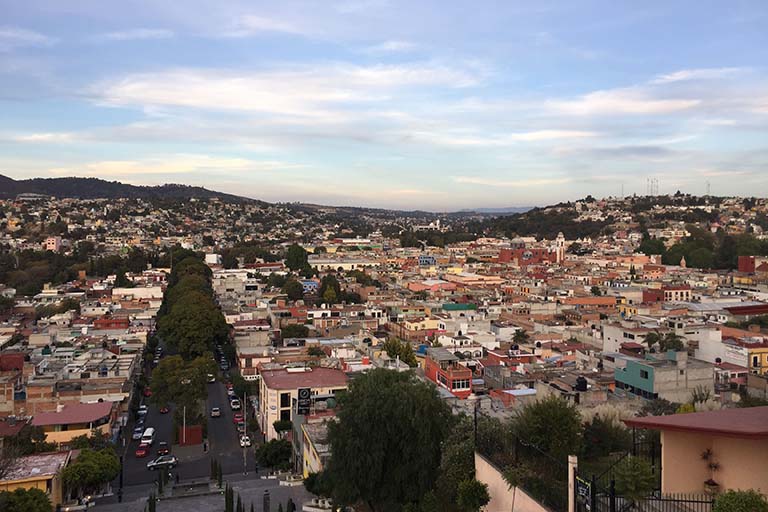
{"points": [[696, 74], [250, 25], [534, 182], [14, 37], [44, 137], [172, 164], [305, 92], [392, 46], [358, 6], [630, 100], [137, 34], [448, 138]]}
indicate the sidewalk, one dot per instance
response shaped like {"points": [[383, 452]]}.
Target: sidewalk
{"points": [[189, 453]]}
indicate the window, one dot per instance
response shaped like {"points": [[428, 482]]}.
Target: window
{"points": [[285, 400], [285, 415], [682, 372], [461, 384], [643, 374]]}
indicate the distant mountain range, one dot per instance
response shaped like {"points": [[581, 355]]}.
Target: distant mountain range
{"points": [[94, 188], [499, 211]]}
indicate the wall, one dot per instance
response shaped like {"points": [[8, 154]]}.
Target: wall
{"points": [[503, 499], [742, 464], [65, 436]]}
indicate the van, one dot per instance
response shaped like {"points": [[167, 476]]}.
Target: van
{"points": [[149, 436]]}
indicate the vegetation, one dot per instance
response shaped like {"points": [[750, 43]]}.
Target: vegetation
{"points": [[293, 289], [275, 454], [294, 331], [296, 257], [634, 478], [189, 321], [24, 500], [91, 470], [402, 349], [740, 501], [472, 495], [402, 422], [181, 382], [668, 341]]}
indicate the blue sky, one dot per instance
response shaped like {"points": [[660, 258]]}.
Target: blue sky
{"points": [[438, 105]]}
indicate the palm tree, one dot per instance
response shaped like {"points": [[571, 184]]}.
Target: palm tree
{"points": [[652, 338], [671, 341]]}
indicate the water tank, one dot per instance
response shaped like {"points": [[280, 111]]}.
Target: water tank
{"points": [[581, 383]]}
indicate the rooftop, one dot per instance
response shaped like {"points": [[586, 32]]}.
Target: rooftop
{"points": [[750, 423], [306, 378], [36, 466], [74, 413]]}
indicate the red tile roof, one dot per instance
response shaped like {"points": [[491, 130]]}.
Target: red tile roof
{"points": [[315, 378], [750, 423], [74, 413]]}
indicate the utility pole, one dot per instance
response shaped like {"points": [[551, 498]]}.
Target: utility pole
{"points": [[184, 426]]}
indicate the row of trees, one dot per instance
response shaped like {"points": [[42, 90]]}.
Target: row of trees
{"points": [[189, 321]]}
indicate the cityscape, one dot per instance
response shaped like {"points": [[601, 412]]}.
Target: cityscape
{"points": [[376, 256]]}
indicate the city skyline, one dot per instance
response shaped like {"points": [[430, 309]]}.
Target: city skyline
{"points": [[388, 104]]}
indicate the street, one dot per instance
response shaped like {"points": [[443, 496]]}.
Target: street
{"points": [[194, 463]]}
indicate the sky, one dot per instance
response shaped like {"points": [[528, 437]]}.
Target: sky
{"points": [[430, 104]]}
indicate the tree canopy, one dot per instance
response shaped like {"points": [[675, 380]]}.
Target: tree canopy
{"points": [[91, 470], [24, 500], [386, 444]]}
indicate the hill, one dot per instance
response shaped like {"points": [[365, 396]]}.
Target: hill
{"points": [[93, 188]]}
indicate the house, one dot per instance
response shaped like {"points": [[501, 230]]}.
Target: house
{"points": [[736, 440], [73, 420], [673, 378], [40, 471], [443, 368], [316, 449], [280, 390]]}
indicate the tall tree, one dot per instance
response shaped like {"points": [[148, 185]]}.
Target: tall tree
{"points": [[295, 257], [386, 444]]}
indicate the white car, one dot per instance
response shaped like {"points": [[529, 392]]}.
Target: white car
{"points": [[235, 404], [211, 378], [215, 412], [245, 441], [143, 409]]}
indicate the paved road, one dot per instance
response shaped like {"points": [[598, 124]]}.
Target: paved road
{"points": [[194, 461], [222, 433]]}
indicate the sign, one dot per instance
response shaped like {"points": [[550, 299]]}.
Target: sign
{"points": [[584, 492], [304, 401]]}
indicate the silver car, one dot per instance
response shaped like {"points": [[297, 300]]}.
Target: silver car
{"points": [[164, 461]]}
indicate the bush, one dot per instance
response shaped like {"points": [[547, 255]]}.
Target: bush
{"points": [[741, 501]]}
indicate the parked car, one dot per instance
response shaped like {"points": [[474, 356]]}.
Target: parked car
{"points": [[137, 432], [164, 461], [238, 417], [143, 410], [241, 427], [211, 378], [215, 412], [164, 409], [230, 386], [235, 404], [142, 450], [163, 448], [245, 441], [147, 392]]}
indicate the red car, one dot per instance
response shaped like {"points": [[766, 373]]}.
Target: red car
{"points": [[237, 417], [142, 450], [164, 410], [147, 392], [230, 386]]}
